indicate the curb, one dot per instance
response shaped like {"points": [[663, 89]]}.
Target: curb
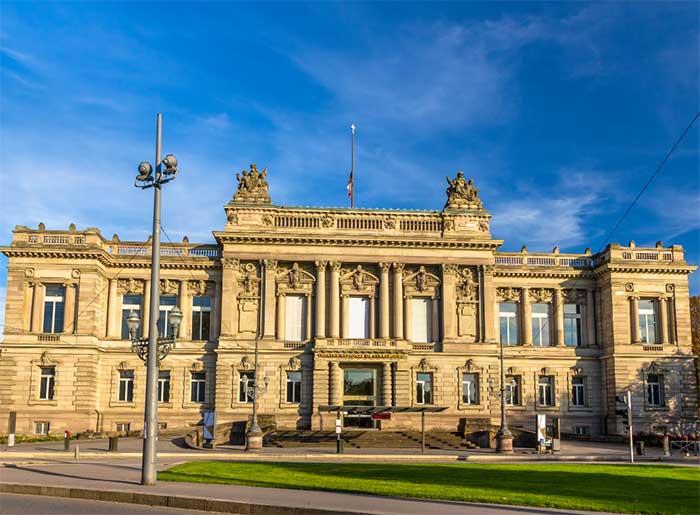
{"points": [[170, 501]]}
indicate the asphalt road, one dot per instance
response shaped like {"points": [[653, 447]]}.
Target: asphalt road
{"points": [[12, 504]]}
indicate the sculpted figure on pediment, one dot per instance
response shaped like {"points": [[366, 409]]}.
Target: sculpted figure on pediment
{"points": [[252, 186], [462, 194]]}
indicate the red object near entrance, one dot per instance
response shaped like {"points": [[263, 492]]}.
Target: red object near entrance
{"points": [[381, 416]]}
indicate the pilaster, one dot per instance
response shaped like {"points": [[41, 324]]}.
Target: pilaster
{"points": [[449, 303], [590, 318], [270, 298], [320, 299], [398, 301], [69, 309], [384, 300], [526, 316], [335, 300], [37, 307], [488, 299], [558, 317], [634, 314], [113, 329], [663, 319], [185, 305], [229, 297]]}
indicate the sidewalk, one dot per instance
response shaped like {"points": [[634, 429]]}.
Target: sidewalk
{"points": [[130, 448], [118, 481]]}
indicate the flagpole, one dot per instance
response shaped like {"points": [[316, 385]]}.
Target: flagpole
{"points": [[352, 166]]}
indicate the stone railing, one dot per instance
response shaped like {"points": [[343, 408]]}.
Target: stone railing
{"points": [[647, 255], [520, 259], [165, 251], [423, 346], [56, 239], [390, 222], [360, 342]]}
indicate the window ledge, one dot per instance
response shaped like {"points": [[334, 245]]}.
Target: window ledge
{"points": [[43, 402], [655, 408], [122, 404]]}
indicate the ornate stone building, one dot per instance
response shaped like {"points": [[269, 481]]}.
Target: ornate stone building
{"points": [[355, 307]]}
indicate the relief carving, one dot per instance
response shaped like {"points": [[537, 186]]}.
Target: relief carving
{"points": [[130, 285], [168, 287], [541, 295], [508, 294]]}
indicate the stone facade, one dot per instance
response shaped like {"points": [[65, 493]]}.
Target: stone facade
{"points": [[403, 297]]}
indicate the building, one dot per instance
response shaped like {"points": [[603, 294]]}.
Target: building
{"points": [[356, 307]]}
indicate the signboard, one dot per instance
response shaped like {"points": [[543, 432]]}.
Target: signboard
{"points": [[338, 429], [11, 423], [381, 416], [209, 425], [541, 430]]}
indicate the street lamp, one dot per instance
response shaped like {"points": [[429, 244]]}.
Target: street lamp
{"points": [[153, 348], [504, 438], [140, 345]]}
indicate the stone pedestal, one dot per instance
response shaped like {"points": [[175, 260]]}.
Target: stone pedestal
{"points": [[253, 440], [504, 441]]}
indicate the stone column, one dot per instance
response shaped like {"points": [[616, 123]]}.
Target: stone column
{"points": [[145, 324], [449, 302], [69, 309], [320, 299], [335, 300], [663, 320], [344, 316], [185, 305], [558, 317], [407, 319], [526, 310], [634, 313], [270, 297], [307, 333], [27, 297], [590, 319], [215, 319], [384, 300], [113, 329], [671, 301], [386, 384], [281, 319], [372, 317], [398, 301], [487, 294], [229, 297], [38, 308], [335, 387]]}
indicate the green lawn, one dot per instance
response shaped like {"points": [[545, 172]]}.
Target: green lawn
{"points": [[613, 488]]}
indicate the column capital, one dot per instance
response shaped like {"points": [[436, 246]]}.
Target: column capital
{"points": [[384, 267], [449, 269], [321, 265], [398, 267], [335, 265], [270, 264]]}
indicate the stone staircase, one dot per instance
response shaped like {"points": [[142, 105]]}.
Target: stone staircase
{"points": [[443, 440]]}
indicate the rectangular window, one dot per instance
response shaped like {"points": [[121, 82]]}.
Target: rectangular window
{"points": [[122, 427], [41, 428], [421, 320], [294, 387], [647, 321], [54, 306], [513, 390], [424, 388], [508, 319], [578, 391], [245, 383], [545, 391], [126, 386], [295, 318], [46, 385], [167, 303], [540, 325], [198, 385], [470, 388], [358, 319], [572, 325], [655, 390], [164, 386], [201, 315], [130, 303], [582, 430]]}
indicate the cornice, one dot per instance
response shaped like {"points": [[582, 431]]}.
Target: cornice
{"points": [[551, 273], [277, 239], [637, 269]]}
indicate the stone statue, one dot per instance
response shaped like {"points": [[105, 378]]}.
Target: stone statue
{"points": [[461, 194], [294, 276], [358, 277], [421, 279], [252, 186]]}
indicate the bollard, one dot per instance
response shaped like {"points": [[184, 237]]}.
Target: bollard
{"points": [[76, 452], [66, 443], [113, 443], [667, 446], [340, 446], [640, 448]]}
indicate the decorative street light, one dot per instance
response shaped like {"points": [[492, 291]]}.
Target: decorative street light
{"points": [[254, 437], [140, 345], [504, 438], [153, 348]]}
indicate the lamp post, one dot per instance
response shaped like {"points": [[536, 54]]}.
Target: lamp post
{"points": [[153, 349], [254, 436], [504, 438]]}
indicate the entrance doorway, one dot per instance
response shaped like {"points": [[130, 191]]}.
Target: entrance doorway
{"points": [[359, 389]]}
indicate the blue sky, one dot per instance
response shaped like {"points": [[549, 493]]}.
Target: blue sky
{"points": [[558, 111]]}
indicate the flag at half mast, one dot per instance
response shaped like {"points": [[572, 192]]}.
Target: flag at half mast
{"points": [[351, 181]]}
